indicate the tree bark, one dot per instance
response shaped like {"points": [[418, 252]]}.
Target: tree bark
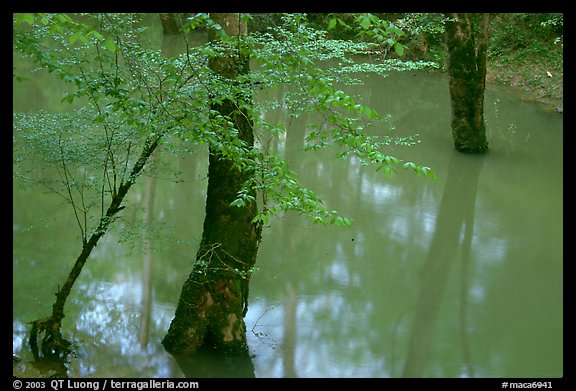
{"points": [[213, 302], [467, 74]]}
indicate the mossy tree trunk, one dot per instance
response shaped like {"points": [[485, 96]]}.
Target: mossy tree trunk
{"points": [[467, 42], [213, 302]]}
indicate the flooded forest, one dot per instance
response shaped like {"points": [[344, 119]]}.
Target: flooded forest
{"points": [[330, 195]]}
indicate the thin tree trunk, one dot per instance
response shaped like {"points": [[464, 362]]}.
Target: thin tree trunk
{"points": [[53, 344], [213, 301], [467, 74]]}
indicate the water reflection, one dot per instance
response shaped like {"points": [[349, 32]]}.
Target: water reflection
{"points": [[213, 364], [370, 276], [147, 263], [453, 232], [460, 277]]}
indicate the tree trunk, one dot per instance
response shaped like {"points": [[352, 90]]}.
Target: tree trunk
{"points": [[213, 301], [170, 23], [53, 344], [467, 73]]}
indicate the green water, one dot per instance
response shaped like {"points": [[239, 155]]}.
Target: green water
{"points": [[460, 277]]}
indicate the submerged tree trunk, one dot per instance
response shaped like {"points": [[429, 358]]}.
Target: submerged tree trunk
{"points": [[467, 73], [213, 301]]}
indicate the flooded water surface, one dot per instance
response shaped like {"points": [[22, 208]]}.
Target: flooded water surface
{"points": [[459, 277]]}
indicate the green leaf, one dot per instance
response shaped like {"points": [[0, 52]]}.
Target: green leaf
{"points": [[260, 217], [110, 45], [365, 23], [76, 36], [26, 17], [246, 17], [343, 24], [411, 165], [238, 202], [341, 221], [332, 23], [428, 172], [96, 35]]}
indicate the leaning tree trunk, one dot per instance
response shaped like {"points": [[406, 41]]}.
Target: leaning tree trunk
{"points": [[53, 344], [467, 73], [213, 301]]}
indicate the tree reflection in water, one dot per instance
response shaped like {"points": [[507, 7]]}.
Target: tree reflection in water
{"points": [[455, 214]]}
